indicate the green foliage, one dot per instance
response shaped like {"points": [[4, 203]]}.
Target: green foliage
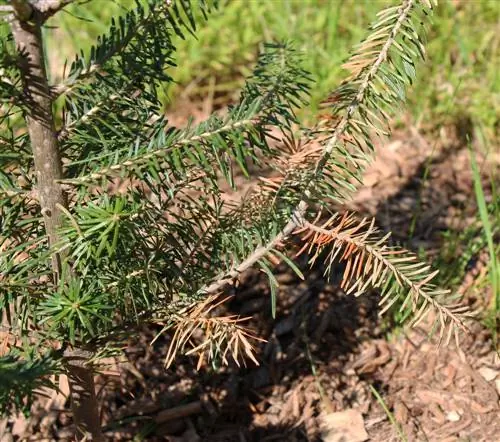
{"points": [[77, 309], [267, 99], [463, 247], [150, 230], [22, 373]]}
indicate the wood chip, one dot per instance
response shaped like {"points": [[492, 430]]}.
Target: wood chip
{"points": [[343, 426], [453, 416], [488, 373], [179, 412]]}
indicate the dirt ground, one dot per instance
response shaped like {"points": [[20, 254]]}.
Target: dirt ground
{"points": [[327, 356]]}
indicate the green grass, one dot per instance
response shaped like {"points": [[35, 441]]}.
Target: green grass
{"points": [[489, 235], [392, 419], [463, 49], [461, 248], [325, 31]]}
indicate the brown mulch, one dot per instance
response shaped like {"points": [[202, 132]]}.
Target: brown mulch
{"points": [[325, 353]]}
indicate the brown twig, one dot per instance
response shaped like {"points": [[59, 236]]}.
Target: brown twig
{"points": [[179, 412]]}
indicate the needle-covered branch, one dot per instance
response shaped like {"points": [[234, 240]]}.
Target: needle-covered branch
{"points": [[358, 87], [143, 36]]}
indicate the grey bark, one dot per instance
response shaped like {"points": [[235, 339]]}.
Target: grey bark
{"points": [[26, 29]]}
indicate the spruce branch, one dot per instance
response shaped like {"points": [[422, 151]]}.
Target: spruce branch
{"points": [[22, 374], [222, 335], [267, 100], [365, 81], [132, 37], [260, 252], [365, 77], [86, 117], [83, 70], [144, 159]]}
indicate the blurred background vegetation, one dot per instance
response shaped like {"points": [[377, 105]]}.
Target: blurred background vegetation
{"points": [[462, 64]]}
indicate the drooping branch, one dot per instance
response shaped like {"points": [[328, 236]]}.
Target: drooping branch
{"points": [[406, 272], [370, 261]]}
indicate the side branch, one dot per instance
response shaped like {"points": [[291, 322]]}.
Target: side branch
{"points": [[50, 7], [67, 129], [66, 86], [157, 153], [361, 242], [301, 208], [259, 253]]}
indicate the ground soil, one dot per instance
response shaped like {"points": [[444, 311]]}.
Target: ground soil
{"points": [[325, 353]]}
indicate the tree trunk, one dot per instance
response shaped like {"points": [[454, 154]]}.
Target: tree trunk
{"points": [[83, 398], [26, 29]]}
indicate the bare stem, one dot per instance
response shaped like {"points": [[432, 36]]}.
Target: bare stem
{"points": [[83, 398], [50, 7]]}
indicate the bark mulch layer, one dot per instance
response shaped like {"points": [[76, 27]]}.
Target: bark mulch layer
{"points": [[331, 369]]}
